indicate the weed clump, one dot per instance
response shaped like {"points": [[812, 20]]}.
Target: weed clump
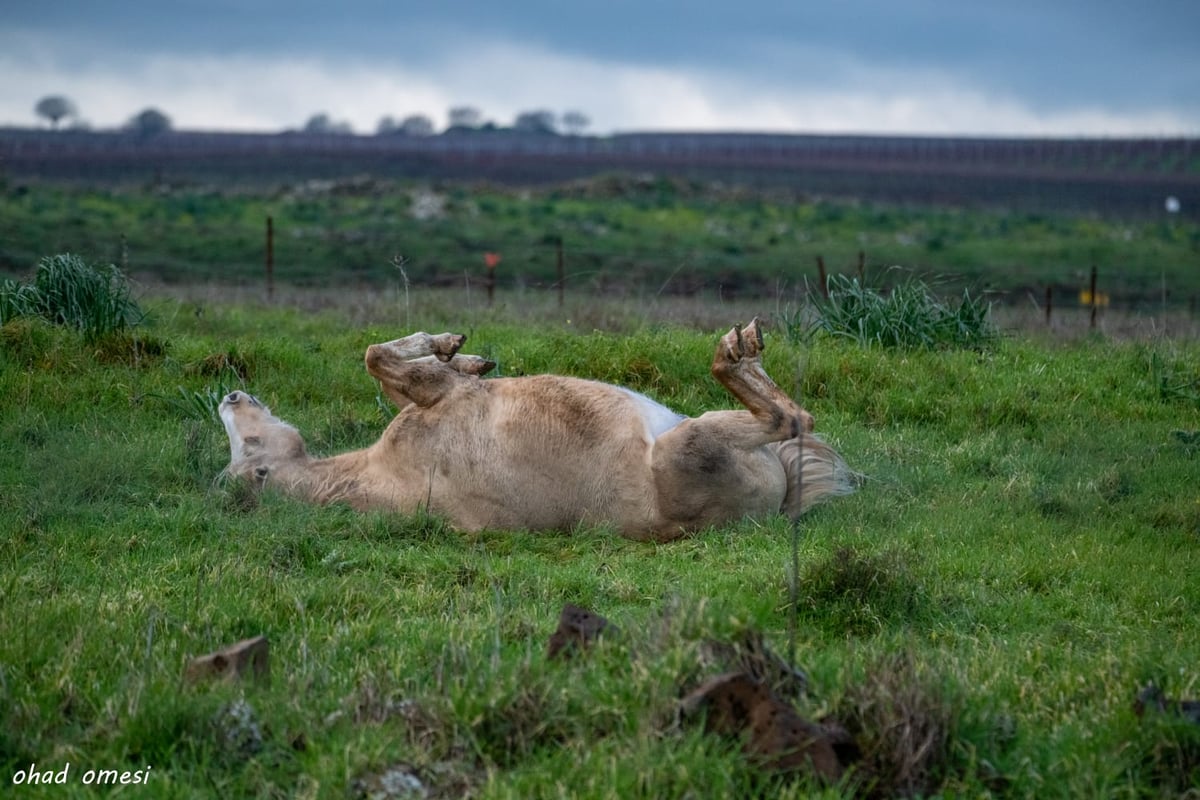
{"points": [[230, 362], [905, 723], [124, 347], [861, 593], [68, 291], [908, 317], [1174, 382], [29, 341]]}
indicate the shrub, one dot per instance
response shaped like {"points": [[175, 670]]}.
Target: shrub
{"points": [[17, 300], [67, 291], [909, 316]]}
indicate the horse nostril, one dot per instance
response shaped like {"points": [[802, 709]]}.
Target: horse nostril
{"points": [[233, 397]]}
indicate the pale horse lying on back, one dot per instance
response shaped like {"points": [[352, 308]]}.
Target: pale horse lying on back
{"points": [[548, 452]]}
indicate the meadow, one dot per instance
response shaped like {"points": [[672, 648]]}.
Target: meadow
{"points": [[1018, 561], [620, 235]]}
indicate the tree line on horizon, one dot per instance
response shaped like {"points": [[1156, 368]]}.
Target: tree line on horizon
{"points": [[58, 109]]}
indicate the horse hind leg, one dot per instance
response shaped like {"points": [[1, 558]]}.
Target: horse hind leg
{"points": [[814, 471], [714, 469], [737, 365], [717, 467]]}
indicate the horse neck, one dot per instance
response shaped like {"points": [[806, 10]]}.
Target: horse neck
{"points": [[324, 480]]}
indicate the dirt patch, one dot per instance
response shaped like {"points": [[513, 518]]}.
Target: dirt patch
{"points": [[774, 735], [577, 629]]}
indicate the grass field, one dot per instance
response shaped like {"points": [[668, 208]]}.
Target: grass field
{"points": [[620, 235], [1020, 558]]}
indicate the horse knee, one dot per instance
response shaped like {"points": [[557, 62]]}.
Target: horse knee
{"points": [[789, 425], [374, 357]]}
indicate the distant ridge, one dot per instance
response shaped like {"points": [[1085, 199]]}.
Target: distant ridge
{"points": [[1103, 175]]}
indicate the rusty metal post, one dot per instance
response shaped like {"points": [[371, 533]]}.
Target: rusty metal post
{"points": [[270, 258], [491, 260]]}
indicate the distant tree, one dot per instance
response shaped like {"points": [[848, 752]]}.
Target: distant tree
{"points": [[149, 122], [318, 123], [535, 122], [465, 117], [417, 125], [54, 108], [323, 123], [575, 122], [386, 125]]}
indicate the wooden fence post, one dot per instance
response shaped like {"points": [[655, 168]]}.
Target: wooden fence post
{"points": [[562, 275], [822, 277], [270, 258], [1095, 302], [1049, 303], [862, 269]]}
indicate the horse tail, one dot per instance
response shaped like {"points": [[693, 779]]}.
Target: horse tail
{"points": [[815, 473]]}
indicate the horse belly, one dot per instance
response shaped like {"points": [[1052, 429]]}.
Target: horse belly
{"points": [[656, 418], [550, 453], [548, 485]]}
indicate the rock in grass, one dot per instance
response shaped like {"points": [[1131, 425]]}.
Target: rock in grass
{"points": [[238, 729], [397, 782], [1151, 698]]}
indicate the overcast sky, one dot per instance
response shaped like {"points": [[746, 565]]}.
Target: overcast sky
{"points": [[1000, 67]]}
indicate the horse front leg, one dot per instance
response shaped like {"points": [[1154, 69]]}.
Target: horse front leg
{"points": [[462, 362], [422, 368]]}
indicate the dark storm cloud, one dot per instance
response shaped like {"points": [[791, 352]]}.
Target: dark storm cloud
{"points": [[1084, 50], [1050, 57]]}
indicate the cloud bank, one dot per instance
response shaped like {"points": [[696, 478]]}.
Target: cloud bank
{"points": [[274, 92]]}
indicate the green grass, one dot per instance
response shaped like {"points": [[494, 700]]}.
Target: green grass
{"points": [[1019, 560], [658, 236], [909, 316], [66, 290]]}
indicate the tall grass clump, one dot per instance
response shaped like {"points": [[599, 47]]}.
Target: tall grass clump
{"points": [[17, 300], [908, 316], [66, 290]]}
